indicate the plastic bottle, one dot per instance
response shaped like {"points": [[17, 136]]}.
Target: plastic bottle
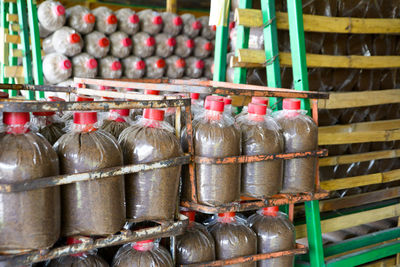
{"points": [[208, 68], [106, 21], [81, 19], [65, 41], [121, 44], [51, 16], [150, 21], [165, 45], [151, 195], [155, 67], [128, 21], [85, 148], [134, 67], [84, 66], [175, 67], [26, 156], [202, 47], [48, 124], [97, 44], [172, 23], [56, 68], [191, 26], [144, 44], [110, 68], [207, 31], [116, 121], [275, 232], [194, 67], [184, 46]]}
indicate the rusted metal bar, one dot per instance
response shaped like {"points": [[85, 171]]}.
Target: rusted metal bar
{"points": [[189, 136], [315, 118], [93, 175], [31, 87], [277, 200], [300, 249], [178, 114], [126, 236], [257, 158]]}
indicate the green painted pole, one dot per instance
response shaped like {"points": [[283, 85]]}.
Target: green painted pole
{"points": [[4, 45], [221, 47], [271, 50], [13, 61], [314, 235]]}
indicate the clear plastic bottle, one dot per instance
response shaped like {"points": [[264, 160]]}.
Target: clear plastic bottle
{"points": [[134, 67], [202, 47], [81, 19], [191, 26], [207, 31], [209, 68], [194, 67], [128, 21], [144, 44], [165, 45], [106, 21], [110, 68], [65, 41], [56, 68], [48, 124], [155, 67], [150, 21], [84, 66], [184, 46], [97, 44], [175, 67], [172, 23], [121, 44], [116, 121], [51, 16]]}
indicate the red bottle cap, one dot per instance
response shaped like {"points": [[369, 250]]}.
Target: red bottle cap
{"points": [[140, 65], [89, 18], [152, 92], [91, 63], [215, 105], [258, 109], [171, 41], [55, 99], [81, 98], [231, 25], [208, 46], [116, 65], [194, 96], [126, 42], [122, 112], [15, 118], [141, 245], [270, 211], [74, 38], [226, 217], [112, 19], [150, 41], [85, 117], [65, 64], [190, 214], [197, 25], [104, 42], [134, 19], [74, 240], [44, 113], [153, 114], [259, 100], [177, 21], [157, 20], [3, 94], [160, 63], [180, 63], [211, 98], [59, 10], [227, 101], [199, 64], [190, 43], [291, 104], [214, 28]]}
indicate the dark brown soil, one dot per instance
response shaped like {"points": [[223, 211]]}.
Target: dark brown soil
{"points": [[87, 260], [129, 257]]}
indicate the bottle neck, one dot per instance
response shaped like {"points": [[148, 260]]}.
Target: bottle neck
{"points": [[255, 117], [17, 129], [213, 115], [143, 245]]}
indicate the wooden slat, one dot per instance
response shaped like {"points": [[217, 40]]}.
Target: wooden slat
{"points": [[10, 1], [358, 137], [12, 17], [15, 27], [17, 53], [347, 159], [355, 219], [13, 71], [11, 38], [360, 99], [314, 23], [361, 126], [257, 58]]}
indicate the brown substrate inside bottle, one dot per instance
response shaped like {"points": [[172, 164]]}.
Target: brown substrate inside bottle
{"points": [[81, 261], [115, 128], [91, 207], [129, 257], [30, 219], [52, 132]]}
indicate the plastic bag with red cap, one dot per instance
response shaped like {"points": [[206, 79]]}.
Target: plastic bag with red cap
{"points": [[134, 67], [83, 259], [116, 121], [191, 26], [48, 124], [150, 21], [97, 44], [202, 48], [172, 23], [65, 41], [155, 67], [233, 238], [261, 135], [51, 15], [110, 67], [175, 67], [81, 19], [184, 46], [255, 100], [301, 134], [86, 148], [56, 68], [151, 195], [128, 21], [209, 68], [195, 245], [84, 66], [165, 45], [143, 253], [207, 31], [106, 21], [194, 67], [27, 156], [275, 232], [121, 44], [144, 44]]}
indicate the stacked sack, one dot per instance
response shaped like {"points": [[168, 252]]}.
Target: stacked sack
{"points": [[79, 42]]}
